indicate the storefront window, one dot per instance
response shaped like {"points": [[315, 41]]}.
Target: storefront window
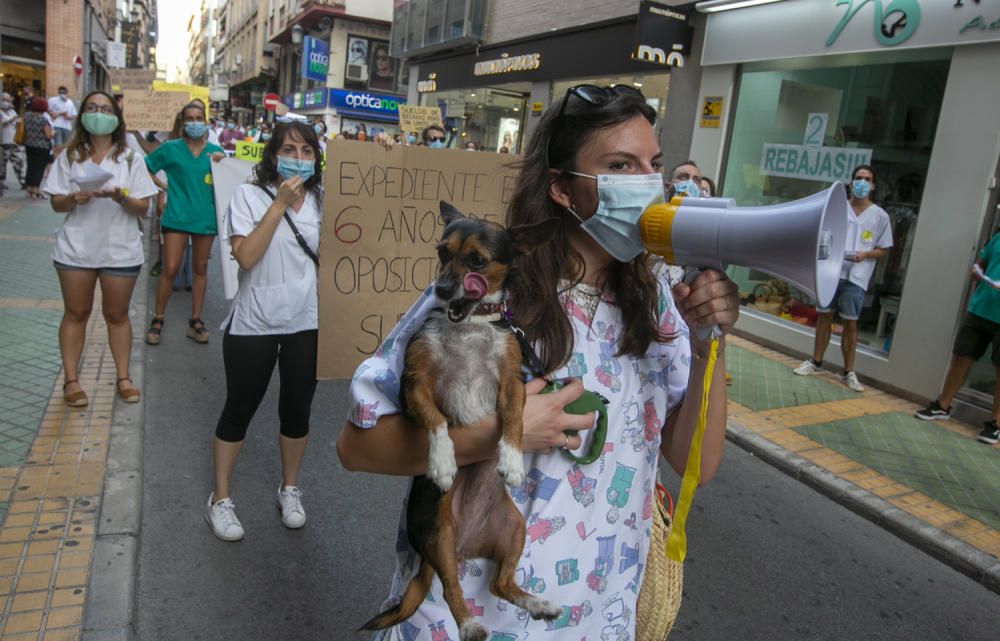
{"points": [[841, 116], [490, 117]]}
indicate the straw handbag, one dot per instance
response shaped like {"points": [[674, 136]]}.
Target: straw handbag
{"points": [[660, 594]]}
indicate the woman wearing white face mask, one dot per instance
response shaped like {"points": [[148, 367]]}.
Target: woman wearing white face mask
{"points": [[591, 302], [273, 226], [103, 188]]}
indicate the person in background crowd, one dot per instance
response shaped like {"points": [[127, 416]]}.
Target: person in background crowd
{"points": [[869, 237], [412, 139], [63, 112], [189, 213], [100, 239], [229, 136], [273, 318], [503, 150], [9, 150], [37, 144], [594, 149], [979, 331], [214, 129], [685, 180], [320, 128], [707, 187], [471, 146], [265, 132], [362, 133], [433, 136]]}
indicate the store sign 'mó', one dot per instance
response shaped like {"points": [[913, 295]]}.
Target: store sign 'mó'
{"points": [[663, 36], [507, 63]]}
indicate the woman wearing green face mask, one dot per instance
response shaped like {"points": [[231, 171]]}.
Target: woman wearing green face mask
{"points": [[103, 188]]}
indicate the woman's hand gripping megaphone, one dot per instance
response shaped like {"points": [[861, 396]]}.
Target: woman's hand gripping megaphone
{"points": [[708, 301]]}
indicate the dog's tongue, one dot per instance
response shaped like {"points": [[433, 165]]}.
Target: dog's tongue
{"points": [[475, 286]]}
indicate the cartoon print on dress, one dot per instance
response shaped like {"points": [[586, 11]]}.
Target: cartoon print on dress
{"points": [[408, 631], [528, 581], [621, 485], [466, 567], [571, 616], [539, 530], [634, 584], [439, 632], [475, 609], [365, 413], [618, 615], [576, 367], [503, 636], [364, 367], [536, 486], [608, 448], [581, 529], [387, 383], [385, 348], [567, 571], [603, 564], [583, 486], [630, 556], [576, 312], [630, 522], [609, 369]]}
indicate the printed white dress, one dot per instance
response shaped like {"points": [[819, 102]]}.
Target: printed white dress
{"points": [[587, 526]]}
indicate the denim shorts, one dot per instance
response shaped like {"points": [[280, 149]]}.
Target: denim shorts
{"points": [[60, 136], [123, 272], [848, 301]]}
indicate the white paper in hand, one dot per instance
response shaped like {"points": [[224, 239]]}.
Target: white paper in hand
{"points": [[90, 177], [979, 270]]}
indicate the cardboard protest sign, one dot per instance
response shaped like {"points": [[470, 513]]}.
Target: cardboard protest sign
{"points": [[122, 79], [152, 110], [381, 222], [193, 91], [414, 118], [227, 175]]}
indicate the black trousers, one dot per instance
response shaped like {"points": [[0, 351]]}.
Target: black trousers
{"points": [[37, 157], [249, 362]]}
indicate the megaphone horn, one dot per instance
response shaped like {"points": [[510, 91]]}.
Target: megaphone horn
{"points": [[801, 241]]}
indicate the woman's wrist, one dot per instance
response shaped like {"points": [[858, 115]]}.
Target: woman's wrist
{"points": [[700, 350]]}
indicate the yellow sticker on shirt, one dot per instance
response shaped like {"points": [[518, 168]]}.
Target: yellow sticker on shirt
{"points": [[867, 235], [208, 181]]}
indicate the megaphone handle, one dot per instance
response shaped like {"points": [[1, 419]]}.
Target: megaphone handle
{"points": [[703, 333]]}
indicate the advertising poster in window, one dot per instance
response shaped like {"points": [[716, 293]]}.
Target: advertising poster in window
{"points": [[381, 68]]}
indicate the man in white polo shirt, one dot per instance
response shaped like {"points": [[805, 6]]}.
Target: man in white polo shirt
{"points": [[869, 237], [63, 111]]}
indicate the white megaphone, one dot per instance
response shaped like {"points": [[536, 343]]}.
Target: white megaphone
{"points": [[801, 241]]}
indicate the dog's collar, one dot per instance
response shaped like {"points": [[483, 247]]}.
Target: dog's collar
{"points": [[487, 312]]}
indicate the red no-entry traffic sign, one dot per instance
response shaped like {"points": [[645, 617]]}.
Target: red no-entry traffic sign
{"points": [[78, 65], [271, 101]]}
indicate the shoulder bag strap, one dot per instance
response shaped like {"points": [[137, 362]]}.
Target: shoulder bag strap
{"points": [[295, 230]]}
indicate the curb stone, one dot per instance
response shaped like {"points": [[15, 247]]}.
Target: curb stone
{"points": [[958, 554]]}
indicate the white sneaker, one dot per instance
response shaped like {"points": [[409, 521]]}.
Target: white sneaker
{"points": [[221, 516], [807, 368], [293, 515], [851, 380]]}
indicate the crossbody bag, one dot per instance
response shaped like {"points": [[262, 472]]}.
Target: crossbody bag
{"points": [[295, 230]]}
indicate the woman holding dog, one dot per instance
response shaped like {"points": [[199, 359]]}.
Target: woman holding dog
{"points": [[597, 308], [273, 226], [103, 188]]}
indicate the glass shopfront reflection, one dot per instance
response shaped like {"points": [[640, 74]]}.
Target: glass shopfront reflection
{"points": [[889, 111], [490, 117]]}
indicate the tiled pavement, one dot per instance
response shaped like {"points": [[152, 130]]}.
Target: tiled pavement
{"points": [[54, 462]]}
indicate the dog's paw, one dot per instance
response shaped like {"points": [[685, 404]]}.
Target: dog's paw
{"points": [[541, 609], [441, 464], [472, 631], [510, 464]]}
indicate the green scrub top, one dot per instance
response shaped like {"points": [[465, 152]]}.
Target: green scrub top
{"points": [[190, 196], [985, 300]]}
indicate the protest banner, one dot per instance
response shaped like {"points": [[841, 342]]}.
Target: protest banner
{"points": [[381, 223], [414, 118], [249, 151], [152, 110], [122, 79], [227, 175], [193, 91]]}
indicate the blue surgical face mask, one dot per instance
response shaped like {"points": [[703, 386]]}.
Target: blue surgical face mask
{"points": [[687, 188], [195, 129], [436, 144], [265, 136], [621, 200], [230, 125], [411, 139], [288, 167], [861, 188]]}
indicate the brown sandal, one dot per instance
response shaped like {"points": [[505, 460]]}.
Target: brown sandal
{"points": [[128, 395], [76, 399], [153, 333]]}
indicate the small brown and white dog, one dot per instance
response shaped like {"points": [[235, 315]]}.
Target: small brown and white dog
{"points": [[463, 364]]}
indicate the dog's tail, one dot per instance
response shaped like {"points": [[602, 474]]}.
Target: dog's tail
{"points": [[415, 593]]}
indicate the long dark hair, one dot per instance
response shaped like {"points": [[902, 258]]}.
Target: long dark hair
{"points": [[533, 298], [80, 146], [266, 171]]}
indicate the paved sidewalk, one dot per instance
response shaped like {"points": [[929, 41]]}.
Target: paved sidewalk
{"points": [[53, 459], [70, 480]]}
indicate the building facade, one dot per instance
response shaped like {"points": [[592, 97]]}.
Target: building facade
{"points": [[911, 88], [245, 62]]}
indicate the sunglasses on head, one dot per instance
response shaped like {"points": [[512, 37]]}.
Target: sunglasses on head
{"points": [[598, 96]]}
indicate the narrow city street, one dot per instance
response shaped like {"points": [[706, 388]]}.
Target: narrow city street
{"points": [[769, 558]]}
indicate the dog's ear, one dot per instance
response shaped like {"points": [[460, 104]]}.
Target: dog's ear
{"points": [[449, 213], [528, 238]]}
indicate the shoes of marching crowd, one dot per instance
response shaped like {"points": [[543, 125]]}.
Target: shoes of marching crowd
{"points": [[851, 380], [293, 515], [990, 433], [933, 412], [808, 368], [221, 517]]}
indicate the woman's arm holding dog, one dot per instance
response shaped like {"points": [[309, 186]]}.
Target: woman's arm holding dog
{"points": [[395, 445]]}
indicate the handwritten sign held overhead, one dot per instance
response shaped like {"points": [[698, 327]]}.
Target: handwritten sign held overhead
{"points": [[152, 110], [124, 79], [415, 118], [381, 222]]}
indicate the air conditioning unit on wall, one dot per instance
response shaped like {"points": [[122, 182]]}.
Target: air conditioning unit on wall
{"points": [[357, 72]]}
